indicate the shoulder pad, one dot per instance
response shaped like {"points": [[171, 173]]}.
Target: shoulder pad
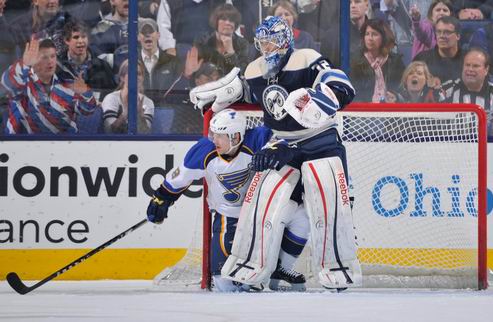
{"points": [[198, 154], [253, 69], [302, 58]]}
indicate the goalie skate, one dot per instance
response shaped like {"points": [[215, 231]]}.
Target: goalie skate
{"points": [[341, 278], [287, 280]]}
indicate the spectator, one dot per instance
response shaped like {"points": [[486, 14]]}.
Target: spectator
{"points": [[109, 39], [162, 70], [7, 52], [473, 86], [186, 120], [115, 105], [445, 59], [377, 70], [318, 17], [88, 11], [79, 60], [330, 42], [473, 9], [148, 8], [424, 29], [179, 22], [39, 101], [286, 10], [44, 20], [483, 38], [396, 14], [223, 47], [416, 85], [207, 73]]}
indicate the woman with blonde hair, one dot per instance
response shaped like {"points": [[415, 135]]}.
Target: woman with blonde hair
{"points": [[286, 10], [115, 105], [416, 85]]}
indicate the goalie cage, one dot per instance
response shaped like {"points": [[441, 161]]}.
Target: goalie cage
{"points": [[418, 174]]}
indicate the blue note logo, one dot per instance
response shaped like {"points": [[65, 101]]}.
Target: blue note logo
{"points": [[274, 97], [232, 183]]}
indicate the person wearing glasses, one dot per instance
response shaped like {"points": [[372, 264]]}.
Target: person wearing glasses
{"points": [[445, 59]]}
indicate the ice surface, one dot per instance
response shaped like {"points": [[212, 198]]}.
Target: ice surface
{"points": [[141, 301]]}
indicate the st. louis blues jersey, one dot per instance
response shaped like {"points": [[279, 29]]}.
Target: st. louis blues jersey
{"points": [[227, 180], [304, 68]]}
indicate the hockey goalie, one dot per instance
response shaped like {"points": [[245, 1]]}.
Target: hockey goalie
{"points": [[300, 93]]}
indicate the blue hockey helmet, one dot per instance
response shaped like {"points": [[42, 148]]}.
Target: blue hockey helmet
{"points": [[274, 39]]}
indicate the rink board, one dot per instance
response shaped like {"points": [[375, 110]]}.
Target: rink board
{"points": [[60, 199]]}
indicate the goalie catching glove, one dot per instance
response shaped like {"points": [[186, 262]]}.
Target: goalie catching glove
{"points": [[274, 156], [312, 108], [221, 93], [157, 210]]}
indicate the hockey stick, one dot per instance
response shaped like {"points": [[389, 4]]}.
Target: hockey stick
{"points": [[15, 282]]}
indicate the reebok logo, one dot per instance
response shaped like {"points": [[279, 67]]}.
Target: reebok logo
{"points": [[343, 188], [252, 187]]}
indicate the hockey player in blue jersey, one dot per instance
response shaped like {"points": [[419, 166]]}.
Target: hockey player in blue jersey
{"points": [[300, 93], [223, 159]]}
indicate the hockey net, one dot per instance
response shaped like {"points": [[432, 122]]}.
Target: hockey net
{"points": [[418, 175]]}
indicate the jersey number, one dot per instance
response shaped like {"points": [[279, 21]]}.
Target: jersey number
{"points": [[321, 65]]}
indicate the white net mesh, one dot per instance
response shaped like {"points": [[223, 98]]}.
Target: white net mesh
{"points": [[414, 177], [187, 273]]}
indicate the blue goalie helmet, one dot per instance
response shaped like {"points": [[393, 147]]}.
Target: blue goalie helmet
{"points": [[274, 39]]}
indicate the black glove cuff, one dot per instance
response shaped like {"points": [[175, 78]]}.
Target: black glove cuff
{"points": [[165, 194]]}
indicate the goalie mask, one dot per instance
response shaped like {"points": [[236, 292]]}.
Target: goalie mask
{"points": [[228, 122], [274, 39]]}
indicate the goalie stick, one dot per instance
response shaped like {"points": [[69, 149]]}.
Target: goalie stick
{"points": [[15, 282]]}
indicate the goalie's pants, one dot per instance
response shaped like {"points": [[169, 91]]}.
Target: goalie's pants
{"points": [[223, 232], [324, 145]]}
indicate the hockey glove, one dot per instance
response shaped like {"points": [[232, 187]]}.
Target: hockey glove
{"points": [[312, 108], [221, 93], [273, 156], [157, 210]]}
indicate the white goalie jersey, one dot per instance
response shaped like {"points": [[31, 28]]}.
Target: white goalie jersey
{"points": [[227, 180]]}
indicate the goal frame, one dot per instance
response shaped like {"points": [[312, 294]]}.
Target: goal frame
{"points": [[389, 108]]}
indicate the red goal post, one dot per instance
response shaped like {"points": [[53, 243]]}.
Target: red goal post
{"points": [[417, 141]]}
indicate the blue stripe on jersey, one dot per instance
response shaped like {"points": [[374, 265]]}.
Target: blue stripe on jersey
{"points": [[198, 153], [338, 79]]}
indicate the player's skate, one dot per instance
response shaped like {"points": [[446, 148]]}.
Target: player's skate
{"points": [[337, 278], [287, 280]]}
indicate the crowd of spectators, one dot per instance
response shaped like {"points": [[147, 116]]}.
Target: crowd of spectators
{"points": [[400, 51]]}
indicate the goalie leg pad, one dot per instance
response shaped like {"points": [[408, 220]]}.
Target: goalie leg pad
{"points": [[332, 232], [261, 225]]}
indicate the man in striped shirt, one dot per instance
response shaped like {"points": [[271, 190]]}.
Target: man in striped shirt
{"points": [[473, 87], [39, 101]]}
